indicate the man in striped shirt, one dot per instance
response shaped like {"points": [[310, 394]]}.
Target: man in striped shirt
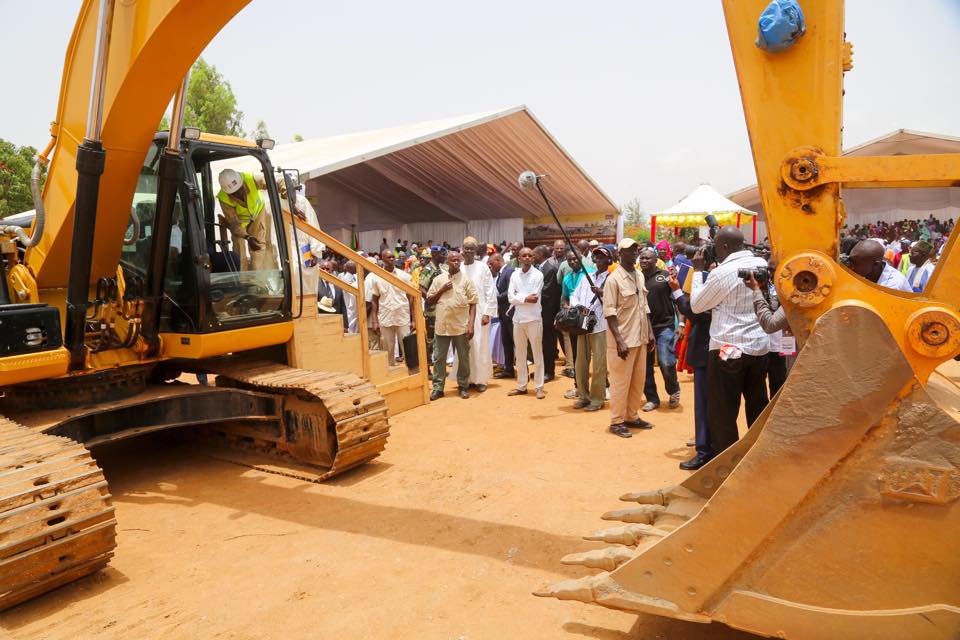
{"points": [[738, 345]]}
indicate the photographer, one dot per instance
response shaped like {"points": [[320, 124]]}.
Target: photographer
{"points": [[773, 319], [738, 345]]}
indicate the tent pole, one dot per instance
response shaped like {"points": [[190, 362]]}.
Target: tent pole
{"points": [[653, 228], [754, 229]]}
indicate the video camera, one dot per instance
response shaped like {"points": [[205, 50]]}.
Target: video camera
{"points": [[710, 248], [760, 274]]}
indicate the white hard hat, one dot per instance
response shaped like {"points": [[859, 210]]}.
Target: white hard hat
{"points": [[230, 180]]}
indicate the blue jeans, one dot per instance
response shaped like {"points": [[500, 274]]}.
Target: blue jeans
{"points": [[667, 359]]}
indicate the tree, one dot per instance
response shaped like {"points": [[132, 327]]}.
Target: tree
{"points": [[297, 137], [211, 105], [15, 166], [633, 212], [261, 131]]}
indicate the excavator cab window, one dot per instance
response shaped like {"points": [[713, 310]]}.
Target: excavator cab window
{"points": [[245, 283]]}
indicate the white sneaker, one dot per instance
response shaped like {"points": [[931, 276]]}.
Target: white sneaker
{"points": [[674, 400], [650, 406], [571, 394]]}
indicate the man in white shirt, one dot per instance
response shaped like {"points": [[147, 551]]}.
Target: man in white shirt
{"points": [[592, 347], [921, 267], [392, 312], [481, 356], [737, 363], [526, 284], [866, 259]]}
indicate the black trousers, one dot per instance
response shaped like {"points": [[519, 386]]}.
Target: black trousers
{"points": [[728, 380], [549, 341], [776, 372], [506, 336]]}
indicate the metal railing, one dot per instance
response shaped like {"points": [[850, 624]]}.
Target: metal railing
{"points": [[365, 267]]}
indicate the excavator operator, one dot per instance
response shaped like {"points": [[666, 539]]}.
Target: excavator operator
{"points": [[242, 208]]}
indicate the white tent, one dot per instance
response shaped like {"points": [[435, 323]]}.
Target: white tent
{"points": [[703, 201], [441, 180], [865, 206]]}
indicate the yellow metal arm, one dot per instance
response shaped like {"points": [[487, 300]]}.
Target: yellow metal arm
{"points": [[154, 42], [792, 101], [806, 168]]}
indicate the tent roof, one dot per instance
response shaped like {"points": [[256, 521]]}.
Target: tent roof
{"points": [[458, 168], [897, 143], [703, 200]]}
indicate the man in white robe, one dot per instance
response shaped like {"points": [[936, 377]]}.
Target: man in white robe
{"points": [[481, 354]]}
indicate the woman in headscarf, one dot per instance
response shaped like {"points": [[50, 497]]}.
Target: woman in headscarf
{"points": [[665, 254]]}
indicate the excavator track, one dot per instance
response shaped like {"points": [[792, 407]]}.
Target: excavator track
{"points": [[56, 520], [332, 422]]}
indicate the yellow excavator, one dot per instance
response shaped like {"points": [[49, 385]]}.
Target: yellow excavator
{"points": [[126, 279], [836, 515]]}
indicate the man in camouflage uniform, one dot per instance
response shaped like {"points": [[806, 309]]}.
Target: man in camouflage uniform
{"points": [[435, 267]]}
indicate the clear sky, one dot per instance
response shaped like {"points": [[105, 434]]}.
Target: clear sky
{"points": [[641, 92]]}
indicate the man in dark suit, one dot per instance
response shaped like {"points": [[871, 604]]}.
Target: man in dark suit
{"points": [[698, 353], [550, 306], [501, 278], [327, 290]]}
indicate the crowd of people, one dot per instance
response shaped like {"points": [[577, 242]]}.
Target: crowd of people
{"points": [[493, 311]]}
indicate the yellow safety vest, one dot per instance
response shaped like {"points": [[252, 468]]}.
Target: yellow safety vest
{"points": [[245, 214]]}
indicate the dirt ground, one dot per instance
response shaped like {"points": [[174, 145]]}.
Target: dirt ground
{"points": [[444, 536]]}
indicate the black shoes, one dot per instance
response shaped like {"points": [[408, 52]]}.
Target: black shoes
{"points": [[549, 377], [638, 424], [620, 430], [464, 393], [505, 374], [436, 395], [694, 463], [481, 388]]}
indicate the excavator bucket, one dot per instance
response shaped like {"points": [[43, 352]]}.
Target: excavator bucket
{"points": [[836, 515]]}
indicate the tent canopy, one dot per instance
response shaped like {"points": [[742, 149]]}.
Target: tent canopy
{"points": [[455, 170], [704, 200]]}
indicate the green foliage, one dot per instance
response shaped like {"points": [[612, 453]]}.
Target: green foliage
{"points": [[297, 137], [261, 131], [15, 166], [633, 212], [643, 235], [211, 105]]}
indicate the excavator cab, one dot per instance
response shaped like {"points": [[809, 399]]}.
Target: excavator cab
{"points": [[212, 281]]}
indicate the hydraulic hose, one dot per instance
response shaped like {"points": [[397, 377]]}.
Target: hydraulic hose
{"points": [[38, 222]]}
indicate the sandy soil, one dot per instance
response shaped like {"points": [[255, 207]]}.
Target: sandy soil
{"points": [[444, 536]]}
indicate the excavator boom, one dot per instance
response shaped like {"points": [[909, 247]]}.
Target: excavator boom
{"points": [[152, 45]]}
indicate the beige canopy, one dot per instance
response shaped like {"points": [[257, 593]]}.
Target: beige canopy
{"points": [[441, 179]]}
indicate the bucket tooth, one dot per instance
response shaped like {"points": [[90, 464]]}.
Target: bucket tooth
{"points": [[603, 590], [659, 496], [580, 589], [644, 514], [628, 534], [607, 559]]}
